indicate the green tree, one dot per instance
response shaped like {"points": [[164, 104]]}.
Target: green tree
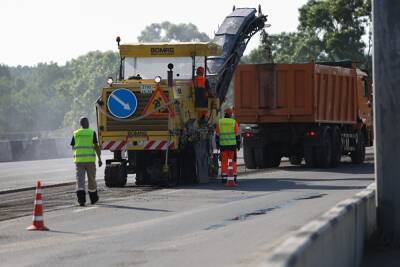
{"points": [[328, 30], [86, 75], [338, 25], [167, 32]]}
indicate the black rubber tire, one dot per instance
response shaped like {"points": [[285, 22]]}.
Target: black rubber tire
{"points": [[109, 176], [358, 156], [140, 180], [336, 147], [272, 157], [173, 174], [295, 160], [188, 166], [259, 157], [324, 151], [214, 167], [115, 176], [249, 157], [310, 156]]}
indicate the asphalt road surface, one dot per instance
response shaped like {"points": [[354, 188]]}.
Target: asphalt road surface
{"points": [[21, 174], [202, 225], [52, 171]]}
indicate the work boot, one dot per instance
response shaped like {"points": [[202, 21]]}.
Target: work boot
{"points": [[81, 194], [94, 197]]}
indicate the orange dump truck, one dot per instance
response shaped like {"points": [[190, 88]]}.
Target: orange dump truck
{"points": [[315, 111]]}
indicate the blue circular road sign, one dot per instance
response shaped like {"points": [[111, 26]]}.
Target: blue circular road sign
{"points": [[122, 103]]}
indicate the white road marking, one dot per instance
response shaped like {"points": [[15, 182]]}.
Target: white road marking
{"points": [[84, 209], [173, 191]]}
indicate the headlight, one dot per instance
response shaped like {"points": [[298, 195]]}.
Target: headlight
{"points": [[157, 79], [110, 81]]}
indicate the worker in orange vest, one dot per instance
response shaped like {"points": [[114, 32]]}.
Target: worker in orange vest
{"points": [[228, 142], [201, 89]]}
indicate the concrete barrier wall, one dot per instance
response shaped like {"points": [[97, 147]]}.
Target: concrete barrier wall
{"points": [[35, 149], [335, 239], [63, 147], [5, 151]]}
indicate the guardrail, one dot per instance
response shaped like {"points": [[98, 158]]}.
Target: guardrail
{"points": [[35, 149], [336, 239]]}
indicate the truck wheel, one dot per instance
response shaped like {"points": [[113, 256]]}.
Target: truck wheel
{"points": [[310, 156], [324, 152], [259, 157], [273, 161], [295, 160], [248, 155], [115, 175], [336, 147], [358, 156], [272, 156]]}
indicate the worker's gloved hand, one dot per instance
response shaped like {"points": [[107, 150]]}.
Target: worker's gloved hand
{"points": [[238, 142], [100, 163]]}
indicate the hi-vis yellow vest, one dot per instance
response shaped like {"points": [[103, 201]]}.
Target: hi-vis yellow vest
{"points": [[84, 147], [227, 135]]}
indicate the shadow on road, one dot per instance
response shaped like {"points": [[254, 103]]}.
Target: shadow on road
{"points": [[280, 184], [345, 167], [129, 207]]}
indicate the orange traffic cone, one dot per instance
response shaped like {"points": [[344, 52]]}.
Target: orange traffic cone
{"points": [[37, 220]]}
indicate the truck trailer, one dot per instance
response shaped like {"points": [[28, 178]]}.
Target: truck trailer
{"points": [[314, 111]]}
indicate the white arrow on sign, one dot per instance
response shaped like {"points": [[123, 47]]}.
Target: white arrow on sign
{"points": [[125, 105]]}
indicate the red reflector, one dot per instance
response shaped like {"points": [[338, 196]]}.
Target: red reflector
{"points": [[312, 133], [247, 134]]}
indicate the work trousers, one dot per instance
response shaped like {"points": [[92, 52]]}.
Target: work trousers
{"points": [[200, 97], [88, 168], [228, 163]]}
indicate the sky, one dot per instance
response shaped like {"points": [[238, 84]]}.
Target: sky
{"points": [[34, 31]]}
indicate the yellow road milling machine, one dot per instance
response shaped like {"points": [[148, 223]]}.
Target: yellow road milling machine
{"points": [[152, 119]]}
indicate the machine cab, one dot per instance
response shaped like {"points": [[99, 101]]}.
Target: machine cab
{"points": [[158, 77]]}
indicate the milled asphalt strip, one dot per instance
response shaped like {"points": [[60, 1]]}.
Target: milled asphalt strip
{"points": [[21, 189], [16, 190]]}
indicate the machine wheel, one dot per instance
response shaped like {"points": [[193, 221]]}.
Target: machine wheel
{"points": [[358, 156], [115, 175], [324, 151], [336, 147], [140, 180], [248, 155], [295, 160], [173, 174], [214, 166], [188, 165]]}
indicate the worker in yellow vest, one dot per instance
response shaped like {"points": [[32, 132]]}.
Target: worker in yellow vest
{"points": [[85, 147], [228, 142]]}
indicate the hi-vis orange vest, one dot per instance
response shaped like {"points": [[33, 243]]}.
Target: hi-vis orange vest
{"points": [[200, 82]]}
